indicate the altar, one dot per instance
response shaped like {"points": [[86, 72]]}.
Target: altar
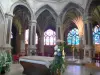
{"points": [[36, 65]]}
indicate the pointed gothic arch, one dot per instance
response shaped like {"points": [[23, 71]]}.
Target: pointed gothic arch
{"points": [[2, 12], [23, 3], [70, 6], [46, 7]]}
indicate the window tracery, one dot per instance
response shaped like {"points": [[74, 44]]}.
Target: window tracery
{"points": [[96, 34], [49, 37], [73, 37]]}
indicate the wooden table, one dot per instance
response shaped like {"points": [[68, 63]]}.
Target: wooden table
{"points": [[36, 65]]}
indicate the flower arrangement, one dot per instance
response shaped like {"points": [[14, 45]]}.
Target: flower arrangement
{"points": [[59, 63], [5, 61]]}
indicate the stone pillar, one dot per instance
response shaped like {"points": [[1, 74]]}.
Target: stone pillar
{"points": [[88, 49], [81, 47], [9, 18], [22, 49], [90, 34], [58, 29], [32, 34], [18, 43], [42, 42]]}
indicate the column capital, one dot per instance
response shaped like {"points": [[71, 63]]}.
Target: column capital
{"points": [[6, 47], [33, 21], [87, 19], [9, 14], [58, 26]]}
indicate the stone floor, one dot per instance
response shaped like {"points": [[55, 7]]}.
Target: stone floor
{"points": [[16, 69]]}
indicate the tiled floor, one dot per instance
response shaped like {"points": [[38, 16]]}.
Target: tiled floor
{"points": [[16, 69]]}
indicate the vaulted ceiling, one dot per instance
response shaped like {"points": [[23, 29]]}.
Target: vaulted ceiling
{"points": [[94, 11], [46, 21], [22, 14]]}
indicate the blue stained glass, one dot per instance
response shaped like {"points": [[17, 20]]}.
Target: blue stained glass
{"points": [[93, 33], [99, 33], [96, 35], [73, 32], [69, 34], [73, 37], [96, 29], [69, 41], [69, 38]]}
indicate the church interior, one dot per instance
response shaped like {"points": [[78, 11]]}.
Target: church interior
{"points": [[36, 34]]}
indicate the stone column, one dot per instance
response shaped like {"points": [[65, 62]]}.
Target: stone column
{"points": [[90, 34], [81, 46], [42, 42], [58, 29], [90, 41], [22, 49], [18, 43], [88, 49], [9, 18], [32, 34]]}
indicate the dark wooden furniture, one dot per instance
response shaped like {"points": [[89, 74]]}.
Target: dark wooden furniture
{"points": [[36, 65]]}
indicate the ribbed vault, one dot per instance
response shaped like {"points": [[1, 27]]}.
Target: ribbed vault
{"points": [[73, 17], [46, 21], [95, 12], [21, 18]]}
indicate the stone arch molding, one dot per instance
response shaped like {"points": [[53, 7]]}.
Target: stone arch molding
{"points": [[2, 27], [2, 13], [88, 6], [23, 4], [70, 6], [46, 7]]}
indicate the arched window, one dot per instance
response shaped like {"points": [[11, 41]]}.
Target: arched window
{"points": [[27, 37], [36, 41], [11, 35], [73, 37], [49, 37], [96, 34]]}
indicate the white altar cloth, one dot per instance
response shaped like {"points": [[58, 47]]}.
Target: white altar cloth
{"points": [[38, 60]]}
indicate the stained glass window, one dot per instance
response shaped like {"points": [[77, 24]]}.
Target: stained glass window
{"points": [[26, 36], [73, 37], [11, 35], [36, 41], [96, 34], [49, 37]]}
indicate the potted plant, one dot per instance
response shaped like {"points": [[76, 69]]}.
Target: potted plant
{"points": [[59, 63], [5, 61]]}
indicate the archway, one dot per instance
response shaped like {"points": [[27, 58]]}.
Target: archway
{"points": [[20, 24], [94, 12], [45, 21], [2, 30], [72, 18], [13, 39]]}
